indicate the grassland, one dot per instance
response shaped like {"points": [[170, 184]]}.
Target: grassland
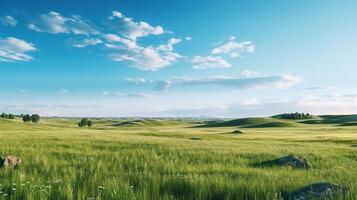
{"points": [[174, 159]]}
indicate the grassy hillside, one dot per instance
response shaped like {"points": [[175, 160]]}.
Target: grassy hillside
{"points": [[333, 119], [252, 123], [173, 159]]}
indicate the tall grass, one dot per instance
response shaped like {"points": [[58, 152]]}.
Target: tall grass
{"points": [[162, 161]]}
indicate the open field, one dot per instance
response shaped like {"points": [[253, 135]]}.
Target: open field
{"points": [[174, 159]]}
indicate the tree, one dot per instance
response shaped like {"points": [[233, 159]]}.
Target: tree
{"points": [[11, 116], [294, 116], [84, 122], [89, 123], [26, 118], [35, 118]]}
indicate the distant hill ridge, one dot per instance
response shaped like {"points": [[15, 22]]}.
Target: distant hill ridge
{"points": [[278, 121]]}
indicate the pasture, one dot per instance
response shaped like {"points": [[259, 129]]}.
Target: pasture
{"points": [[174, 158]]}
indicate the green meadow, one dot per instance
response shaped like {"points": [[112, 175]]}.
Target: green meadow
{"points": [[175, 158]]}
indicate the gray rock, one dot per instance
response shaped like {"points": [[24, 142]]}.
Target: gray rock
{"points": [[293, 161], [10, 161], [320, 191], [354, 145]]}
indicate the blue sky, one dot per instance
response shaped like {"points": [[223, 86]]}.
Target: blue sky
{"points": [[178, 58]]}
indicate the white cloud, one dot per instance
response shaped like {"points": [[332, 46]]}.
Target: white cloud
{"points": [[134, 30], [129, 44], [116, 14], [54, 22], [149, 58], [140, 95], [123, 44], [121, 94], [13, 49], [126, 48], [8, 21], [88, 42], [169, 46], [188, 38], [137, 81], [63, 91], [233, 48], [200, 62], [280, 82]]}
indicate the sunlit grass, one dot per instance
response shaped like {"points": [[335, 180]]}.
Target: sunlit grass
{"points": [[161, 160]]}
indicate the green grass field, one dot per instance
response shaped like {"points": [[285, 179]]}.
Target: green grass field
{"points": [[174, 159]]}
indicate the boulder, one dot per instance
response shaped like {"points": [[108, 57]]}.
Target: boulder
{"points": [[354, 145], [237, 131], [293, 161], [10, 161], [319, 191]]}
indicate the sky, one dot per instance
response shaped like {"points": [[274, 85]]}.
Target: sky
{"points": [[183, 58]]}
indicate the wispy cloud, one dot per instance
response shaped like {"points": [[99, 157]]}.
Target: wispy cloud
{"points": [[234, 48], [113, 38], [13, 49], [131, 29], [321, 88], [63, 91], [137, 81], [121, 94], [201, 62], [249, 73], [281, 81], [8, 21], [54, 22], [87, 42]]}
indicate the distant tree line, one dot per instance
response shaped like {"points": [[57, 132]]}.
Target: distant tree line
{"points": [[85, 122], [7, 116], [294, 116], [34, 118]]}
